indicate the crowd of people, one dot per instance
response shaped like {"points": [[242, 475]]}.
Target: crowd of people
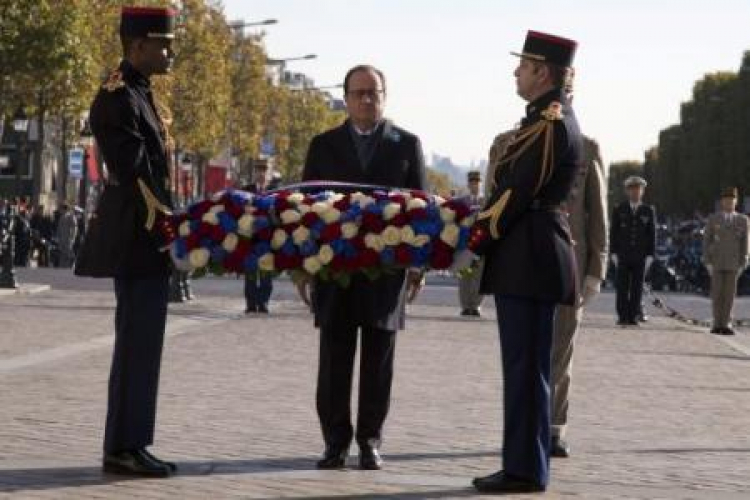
{"points": [[42, 237]]}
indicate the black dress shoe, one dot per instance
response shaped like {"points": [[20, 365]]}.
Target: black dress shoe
{"points": [[251, 309], [465, 312], [500, 482], [333, 458], [727, 331], [716, 330], [559, 448], [369, 458], [263, 309], [476, 313], [170, 465], [134, 463]]}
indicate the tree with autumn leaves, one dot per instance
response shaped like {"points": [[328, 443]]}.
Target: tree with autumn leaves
{"points": [[54, 55]]}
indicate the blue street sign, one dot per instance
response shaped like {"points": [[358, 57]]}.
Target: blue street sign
{"points": [[75, 163]]}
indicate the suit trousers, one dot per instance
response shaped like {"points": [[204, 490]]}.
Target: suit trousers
{"points": [[629, 285], [338, 346], [526, 329], [140, 320], [723, 291], [567, 321], [258, 291], [468, 289]]}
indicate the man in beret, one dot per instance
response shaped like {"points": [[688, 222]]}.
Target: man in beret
{"points": [[632, 245], [725, 254], [524, 236], [124, 240]]}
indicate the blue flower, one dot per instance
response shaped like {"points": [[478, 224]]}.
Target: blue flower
{"points": [[337, 246], [180, 248], [388, 256], [348, 250], [194, 224], [308, 248], [227, 223], [264, 203], [261, 248], [463, 238], [218, 254], [288, 248], [261, 222], [251, 263]]}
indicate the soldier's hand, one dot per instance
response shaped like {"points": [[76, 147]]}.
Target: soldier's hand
{"points": [[615, 260], [710, 269], [649, 261], [416, 281], [591, 288], [302, 281]]}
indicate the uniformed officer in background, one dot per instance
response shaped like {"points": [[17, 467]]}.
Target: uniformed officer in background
{"points": [[258, 288], [725, 254], [468, 284], [124, 241], [632, 246], [524, 235]]}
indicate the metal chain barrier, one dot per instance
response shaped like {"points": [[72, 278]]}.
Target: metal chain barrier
{"points": [[674, 314]]}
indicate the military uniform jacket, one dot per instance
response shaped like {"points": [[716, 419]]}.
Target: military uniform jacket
{"points": [[633, 234], [523, 230], [397, 162], [122, 240], [725, 242]]}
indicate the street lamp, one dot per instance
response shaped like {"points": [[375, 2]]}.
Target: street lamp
{"points": [[21, 126], [283, 60], [86, 140], [238, 25]]}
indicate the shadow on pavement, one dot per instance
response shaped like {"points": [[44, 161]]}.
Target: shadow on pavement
{"points": [[13, 480], [447, 493]]}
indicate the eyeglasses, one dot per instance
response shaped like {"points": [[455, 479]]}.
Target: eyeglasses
{"points": [[374, 94]]}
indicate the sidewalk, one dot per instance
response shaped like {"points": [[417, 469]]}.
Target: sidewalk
{"points": [[661, 412]]}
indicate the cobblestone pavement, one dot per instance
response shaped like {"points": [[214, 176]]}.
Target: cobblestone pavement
{"points": [[658, 412]]}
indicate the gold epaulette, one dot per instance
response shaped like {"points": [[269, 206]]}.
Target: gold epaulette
{"points": [[553, 112], [114, 81], [153, 205]]}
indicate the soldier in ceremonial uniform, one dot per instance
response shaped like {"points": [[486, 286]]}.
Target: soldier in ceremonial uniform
{"points": [[632, 245], [725, 254], [524, 236], [258, 289], [468, 286], [124, 239]]}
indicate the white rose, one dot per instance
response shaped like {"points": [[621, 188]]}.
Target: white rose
{"points": [[296, 198], [184, 229], [325, 254], [182, 264], [362, 199], [320, 207], [421, 240], [249, 209], [374, 242], [391, 210], [245, 225], [391, 236], [301, 235], [216, 209], [331, 215], [290, 216], [416, 203], [337, 197], [278, 239], [266, 262], [450, 234], [407, 235], [349, 230], [447, 214], [303, 209], [312, 264], [230, 242], [210, 218], [439, 199], [198, 257]]}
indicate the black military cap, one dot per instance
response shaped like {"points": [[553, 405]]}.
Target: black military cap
{"points": [[147, 22], [548, 48], [474, 175]]}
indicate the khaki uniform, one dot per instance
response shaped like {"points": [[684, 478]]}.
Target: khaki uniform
{"points": [[468, 286], [725, 248], [588, 220]]}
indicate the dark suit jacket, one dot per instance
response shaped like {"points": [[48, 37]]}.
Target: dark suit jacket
{"points": [[398, 162], [130, 136], [532, 254], [632, 237]]}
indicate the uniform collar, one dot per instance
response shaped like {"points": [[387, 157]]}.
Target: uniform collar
{"points": [[133, 76], [535, 107]]}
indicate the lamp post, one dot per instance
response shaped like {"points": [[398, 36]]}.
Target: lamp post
{"points": [[281, 63], [21, 126], [87, 140]]}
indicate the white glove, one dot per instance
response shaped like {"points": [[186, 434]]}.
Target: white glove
{"points": [[463, 260], [615, 260], [649, 261], [710, 269], [591, 288]]}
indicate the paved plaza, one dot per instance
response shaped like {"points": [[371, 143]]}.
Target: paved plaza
{"points": [[657, 412]]}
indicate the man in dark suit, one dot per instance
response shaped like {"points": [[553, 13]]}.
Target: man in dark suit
{"points": [[258, 289], [370, 150], [123, 240], [524, 235], [632, 246]]}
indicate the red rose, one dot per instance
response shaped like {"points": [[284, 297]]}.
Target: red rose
{"points": [[338, 263], [265, 234], [372, 222], [330, 232], [199, 209], [403, 255], [282, 203], [343, 204], [417, 214], [397, 198], [369, 258], [400, 220], [359, 243], [234, 262], [204, 229], [233, 209], [217, 234], [309, 219], [441, 259], [192, 241]]}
